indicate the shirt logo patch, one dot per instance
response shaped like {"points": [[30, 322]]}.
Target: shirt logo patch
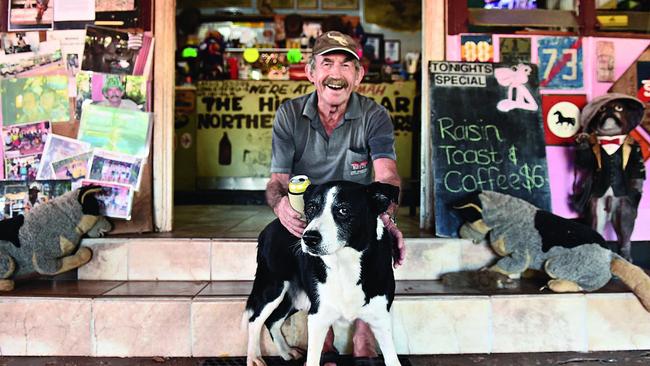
{"points": [[359, 167]]}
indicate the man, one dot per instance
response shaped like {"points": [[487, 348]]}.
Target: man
{"points": [[333, 134], [113, 91]]}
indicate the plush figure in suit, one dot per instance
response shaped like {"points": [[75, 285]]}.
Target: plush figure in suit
{"points": [[46, 240], [611, 164], [571, 254]]}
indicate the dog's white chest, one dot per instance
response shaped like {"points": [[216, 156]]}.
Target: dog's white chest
{"points": [[342, 291]]}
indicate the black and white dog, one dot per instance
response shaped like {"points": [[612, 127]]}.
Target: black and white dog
{"points": [[341, 269]]}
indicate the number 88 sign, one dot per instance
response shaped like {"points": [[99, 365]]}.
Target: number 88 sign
{"points": [[560, 62]]}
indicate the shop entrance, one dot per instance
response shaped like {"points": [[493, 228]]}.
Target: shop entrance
{"points": [[236, 65]]}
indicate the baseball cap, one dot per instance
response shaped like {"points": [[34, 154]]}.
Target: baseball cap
{"points": [[335, 41]]}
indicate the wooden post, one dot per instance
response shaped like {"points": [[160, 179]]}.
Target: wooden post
{"points": [[433, 49], [587, 17], [163, 102]]}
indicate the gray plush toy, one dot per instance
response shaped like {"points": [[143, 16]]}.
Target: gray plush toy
{"points": [[46, 240], [525, 237]]}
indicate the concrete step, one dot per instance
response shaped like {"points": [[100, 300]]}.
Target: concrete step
{"points": [[181, 259], [203, 319]]}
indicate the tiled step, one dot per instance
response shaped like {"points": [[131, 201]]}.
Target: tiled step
{"points": [[203, 319], [178, 259]]}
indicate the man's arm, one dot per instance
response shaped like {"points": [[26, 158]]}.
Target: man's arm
{"points": [[277, 198], [386, 172]]}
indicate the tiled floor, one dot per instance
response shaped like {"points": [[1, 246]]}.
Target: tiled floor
{"points": [[246, 221], [192, 289]]}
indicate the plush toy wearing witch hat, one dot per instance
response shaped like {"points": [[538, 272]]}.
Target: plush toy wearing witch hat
{"points": [[612, 165], [46, 240], [526, 237]]}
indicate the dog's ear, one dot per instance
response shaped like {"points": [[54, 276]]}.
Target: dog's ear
{"points": [[381, 195], [469, 207], [633, 113], [88, 201]]}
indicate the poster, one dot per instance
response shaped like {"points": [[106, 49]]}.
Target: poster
{"points": [[560, 62], [114, 129], [487, 134], [235, 118], [38, 98]]}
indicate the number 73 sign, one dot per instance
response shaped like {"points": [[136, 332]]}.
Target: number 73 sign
{"points": [[560, 62]]}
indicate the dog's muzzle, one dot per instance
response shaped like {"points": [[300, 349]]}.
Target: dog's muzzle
{"points": [[312, 240]]}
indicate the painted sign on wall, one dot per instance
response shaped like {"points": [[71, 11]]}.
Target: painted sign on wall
{"points": [[235, 120], [560, 62]]}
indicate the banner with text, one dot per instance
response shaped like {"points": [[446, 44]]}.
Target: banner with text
{"points": [[235, 118]]}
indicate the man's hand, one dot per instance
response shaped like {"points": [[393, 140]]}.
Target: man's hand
{"points": [[398, 246], [290, 218]]}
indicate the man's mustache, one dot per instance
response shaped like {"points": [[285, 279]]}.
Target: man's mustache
{"points": [[336, 82]]}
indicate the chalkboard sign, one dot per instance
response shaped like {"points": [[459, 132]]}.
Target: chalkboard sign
{"points": [[487, 134]]}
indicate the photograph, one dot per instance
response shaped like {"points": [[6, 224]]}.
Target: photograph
{"points": [[14, 199], [56, 148], [374, 48], [115, 200], [392, 50], [32, 99], [120, 91], [25, 139], [73, 167], [22, 167], [115, 168], [107, 50], [115, 129], [20, 42], [30, 14]]}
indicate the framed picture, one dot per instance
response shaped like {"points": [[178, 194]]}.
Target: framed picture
{"points": [[392, 51], [339, 4], [307, 4], [374, 48]]}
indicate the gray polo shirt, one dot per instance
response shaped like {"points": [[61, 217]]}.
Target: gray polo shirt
{"points": [[301, 145]]}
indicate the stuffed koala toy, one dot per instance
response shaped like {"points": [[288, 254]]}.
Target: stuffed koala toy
{"points": [[525, 237], [611, 165], [46, 240]]}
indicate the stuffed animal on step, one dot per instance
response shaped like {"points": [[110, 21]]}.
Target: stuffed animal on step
{"points": [[611, 164], [46, 240], [525, 237]]}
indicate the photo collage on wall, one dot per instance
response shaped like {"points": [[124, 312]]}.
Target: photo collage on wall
{"points": [[59, 72]]}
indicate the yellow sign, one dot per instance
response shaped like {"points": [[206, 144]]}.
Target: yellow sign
{"points": [[613, 20], [235, 118]]}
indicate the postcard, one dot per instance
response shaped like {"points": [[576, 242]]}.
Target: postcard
{"points": [[30, 14], [109, 51], [22, 167], [115, 129], [120, 91], [56, 148], [72, 46], [25, 139], [19, 197], [73, 167], [116, 168], [115, 200], [74, 10], [114, 5], [38, 98]]}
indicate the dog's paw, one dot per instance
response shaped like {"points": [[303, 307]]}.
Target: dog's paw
{"points": [[255, 361]]}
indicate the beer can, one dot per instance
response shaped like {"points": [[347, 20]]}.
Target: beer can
{"points": [[297, 186]]}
